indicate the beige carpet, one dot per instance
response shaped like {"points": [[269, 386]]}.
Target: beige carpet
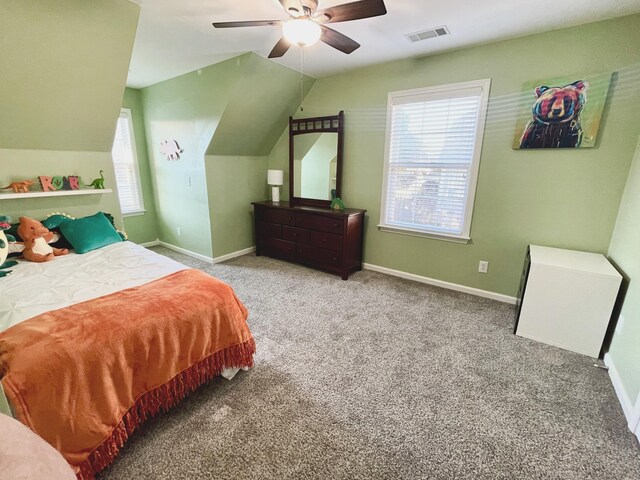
{"points": [[382, 378]]}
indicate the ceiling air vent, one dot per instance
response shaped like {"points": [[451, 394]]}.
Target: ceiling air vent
{"points": [[425, 34]]}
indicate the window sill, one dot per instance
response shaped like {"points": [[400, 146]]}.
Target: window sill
{"points": [[416, 233], [135, 213]]}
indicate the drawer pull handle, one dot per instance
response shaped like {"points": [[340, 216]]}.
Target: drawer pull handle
{"points": [[335, 225], [295, 234], [324, 240], [334, 259]]}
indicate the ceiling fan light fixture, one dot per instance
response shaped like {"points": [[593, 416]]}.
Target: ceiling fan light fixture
{"points": [[301, 31]]}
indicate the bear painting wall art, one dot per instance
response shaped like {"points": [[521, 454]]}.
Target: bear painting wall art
{"points": [[565, 113]]}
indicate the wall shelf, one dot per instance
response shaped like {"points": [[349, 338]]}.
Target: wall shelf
{"points": [[58, 193]]}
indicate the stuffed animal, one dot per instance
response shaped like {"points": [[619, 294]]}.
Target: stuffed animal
{"points": [[337, 204], [5, 224], [35, 237]]}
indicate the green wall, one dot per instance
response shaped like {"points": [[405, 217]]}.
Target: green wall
{"points": [[567, 199], [26, 164], [185, 109], [141, 228], [64, 67], [279, 160], [263, 97], [233, 183], [625, 252], [232, 112]]}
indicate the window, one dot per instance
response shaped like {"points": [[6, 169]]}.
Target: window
{"points": [[125, 162], [434, 138]]}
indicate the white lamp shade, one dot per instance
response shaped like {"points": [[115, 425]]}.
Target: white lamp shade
{"points": [[275, 177], [302, 31]]}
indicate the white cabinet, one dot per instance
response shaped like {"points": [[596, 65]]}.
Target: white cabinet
{"points": [[566, 298]]}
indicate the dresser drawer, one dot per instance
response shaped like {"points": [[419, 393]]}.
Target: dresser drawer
{"points": [[271, 230], [318, 222], [298, 235], [283, 217], [279, 248], [326, 240], [319, 255]]}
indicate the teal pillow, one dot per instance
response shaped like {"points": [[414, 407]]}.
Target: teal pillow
{"points": [[54, 221], [89, 233]]}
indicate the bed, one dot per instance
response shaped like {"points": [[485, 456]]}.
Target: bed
{"points": [[92, 345]]}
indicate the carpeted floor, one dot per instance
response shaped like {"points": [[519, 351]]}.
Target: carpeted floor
{"points": [[383, 378]]}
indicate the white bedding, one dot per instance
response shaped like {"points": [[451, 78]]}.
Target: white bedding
{"points": [[34, 288]]}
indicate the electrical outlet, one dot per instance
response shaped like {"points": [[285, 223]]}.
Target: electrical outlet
{"points": [[483, 266], [179, 231]]}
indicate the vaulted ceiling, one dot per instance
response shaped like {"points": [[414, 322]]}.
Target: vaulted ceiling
{"points": [[177, 37]]}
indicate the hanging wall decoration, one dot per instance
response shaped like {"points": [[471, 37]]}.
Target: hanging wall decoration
{"points": [[170, 149], [563, 113]]}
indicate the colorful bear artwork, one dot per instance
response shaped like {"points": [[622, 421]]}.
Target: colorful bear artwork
{"points": [[564, 114]]}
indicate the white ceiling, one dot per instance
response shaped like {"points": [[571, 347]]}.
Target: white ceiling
{"points": [[176, 37]]}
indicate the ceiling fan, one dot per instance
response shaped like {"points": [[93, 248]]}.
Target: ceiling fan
{"points": [[306, 24]]}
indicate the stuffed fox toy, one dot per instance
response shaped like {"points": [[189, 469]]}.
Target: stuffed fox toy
{"points": [[35, 237]]}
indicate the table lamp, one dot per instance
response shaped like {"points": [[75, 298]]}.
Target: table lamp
{"points": [[274, 178]]}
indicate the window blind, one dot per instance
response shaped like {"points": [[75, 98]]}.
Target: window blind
{"points": [[431, 156], [126, 166]]}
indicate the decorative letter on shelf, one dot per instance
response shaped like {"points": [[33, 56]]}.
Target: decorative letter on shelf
{"points": [[52, 184]]}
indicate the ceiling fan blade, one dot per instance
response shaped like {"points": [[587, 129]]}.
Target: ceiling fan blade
{"points": [[292, 7], [351, 11], [337, 40], [257, 23], [280, 49]]}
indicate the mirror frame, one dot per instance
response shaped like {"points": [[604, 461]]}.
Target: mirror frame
{"points": [[300, 126]]}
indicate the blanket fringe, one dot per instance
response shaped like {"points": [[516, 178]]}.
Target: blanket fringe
{"points": [[163, 398]]}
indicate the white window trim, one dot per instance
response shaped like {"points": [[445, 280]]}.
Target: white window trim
{"points": [[464, 237], [126, 113], [134, 213]]}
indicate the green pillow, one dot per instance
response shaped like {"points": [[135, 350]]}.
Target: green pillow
{"points": [[89, 233]]}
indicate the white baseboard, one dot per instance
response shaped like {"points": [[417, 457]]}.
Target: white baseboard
{"points": [[229, 256], [204, 258], [441, 283], [626, 403], [154, 243], [635, 420], [184, 251]]}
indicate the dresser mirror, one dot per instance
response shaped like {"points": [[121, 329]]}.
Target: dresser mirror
{"points": [[315, 159]]}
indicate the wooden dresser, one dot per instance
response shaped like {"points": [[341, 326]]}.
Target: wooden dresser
{"points": [[317, 237]]}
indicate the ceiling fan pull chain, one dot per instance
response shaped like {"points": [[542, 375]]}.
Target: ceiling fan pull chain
{"points": [[301, 79]]}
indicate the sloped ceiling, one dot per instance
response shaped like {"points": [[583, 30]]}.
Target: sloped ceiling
{"points": [[264, 96], [63, 73], [176, 37]]}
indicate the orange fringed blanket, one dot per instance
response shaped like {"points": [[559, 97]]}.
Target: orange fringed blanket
{"points": [[84, 377]]}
